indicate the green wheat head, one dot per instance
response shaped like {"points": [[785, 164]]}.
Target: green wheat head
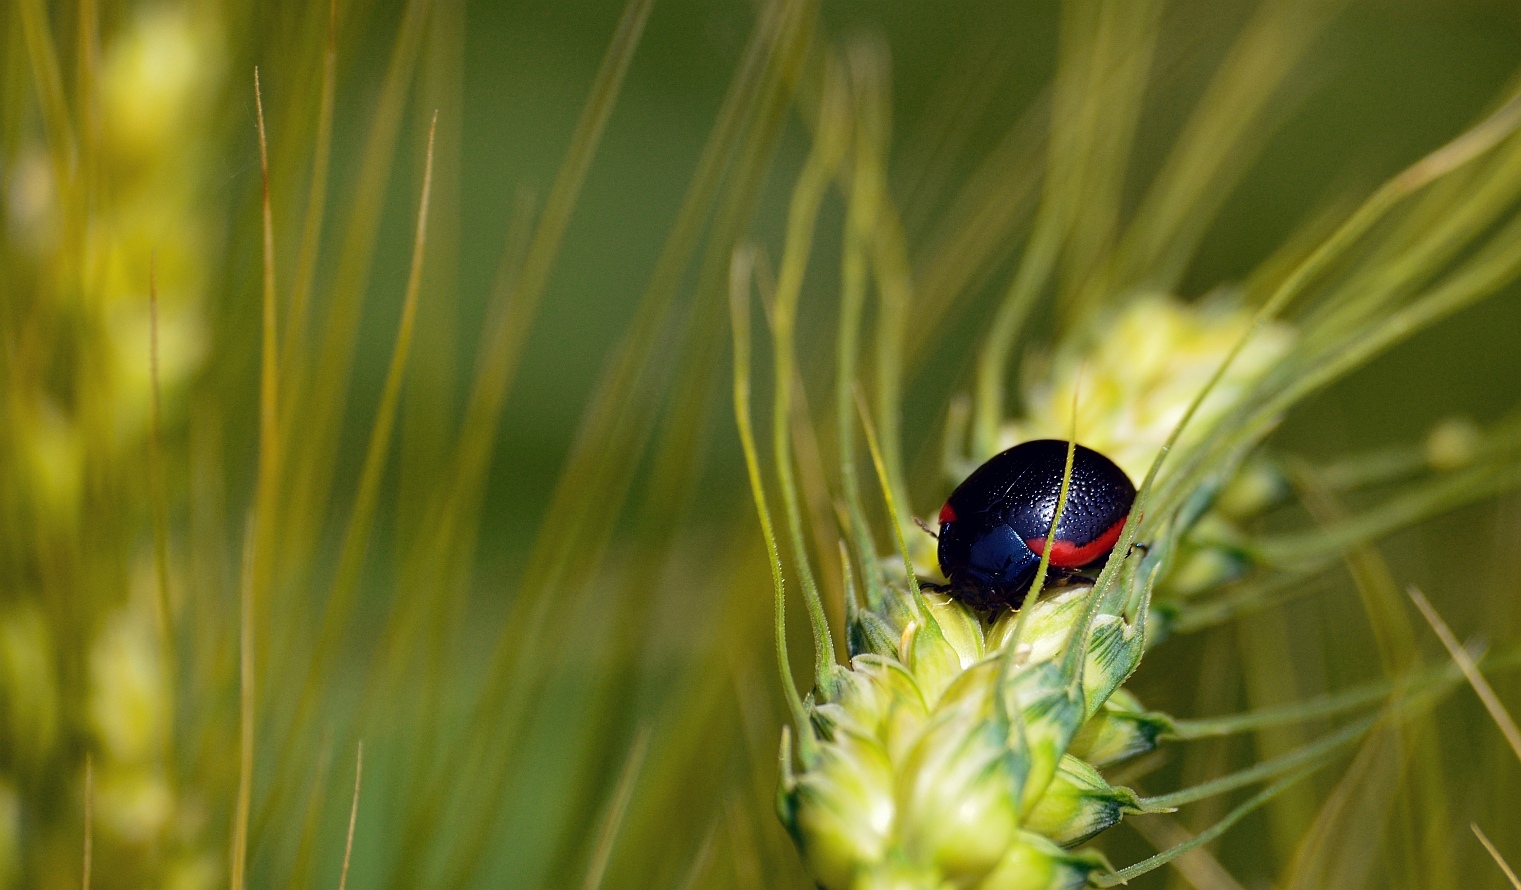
{"points": [[959, 749]]}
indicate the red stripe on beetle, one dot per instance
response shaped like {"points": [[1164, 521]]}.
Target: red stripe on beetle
{"points": [[1067, 555], [947, 514]]}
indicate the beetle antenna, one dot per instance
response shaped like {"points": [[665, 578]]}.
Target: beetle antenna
{"points": [[925, 527]]}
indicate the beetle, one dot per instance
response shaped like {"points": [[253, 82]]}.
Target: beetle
{"points": [[993, 527]]}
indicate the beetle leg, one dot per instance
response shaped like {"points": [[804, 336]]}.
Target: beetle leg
{"points": [[1066, 577]]}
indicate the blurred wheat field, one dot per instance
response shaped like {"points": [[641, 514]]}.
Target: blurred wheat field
{"points": [[387, 406]]}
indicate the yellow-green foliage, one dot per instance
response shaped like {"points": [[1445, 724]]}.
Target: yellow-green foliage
{"points": [[389, 404]]}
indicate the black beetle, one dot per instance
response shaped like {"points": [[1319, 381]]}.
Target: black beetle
{"points": [[993, 527]]}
